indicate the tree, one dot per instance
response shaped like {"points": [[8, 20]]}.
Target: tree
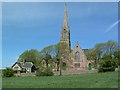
{"points": [[106, 55], [56, 55], [64, 54], [44, 71], [107, 64], [30, 56], [102, 51], [47, 69], [46, 51], [91, 56], [64, 51], [110, 47], [107, 48], [116, 56], [48, 59], [50, 52], [56, 52], [8, 72]]}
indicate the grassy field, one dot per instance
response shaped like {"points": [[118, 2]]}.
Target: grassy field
{"points": [[98, 80]]}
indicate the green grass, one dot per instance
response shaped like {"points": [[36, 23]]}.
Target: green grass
{"points": [[98, 80]]}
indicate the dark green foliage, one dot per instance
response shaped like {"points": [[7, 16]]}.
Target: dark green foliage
{"points": [[44, 71], [21, 71], [108, 63], [8, 72]]}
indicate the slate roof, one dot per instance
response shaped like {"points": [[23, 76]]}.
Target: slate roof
{"points": [[85, 50], [24, 64]]}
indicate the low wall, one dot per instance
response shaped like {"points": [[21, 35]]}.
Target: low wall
{"points": [[25, 74], [75, 72], [64, 72]]}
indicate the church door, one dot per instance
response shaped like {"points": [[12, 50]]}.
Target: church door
{"points": [[89, 66]]}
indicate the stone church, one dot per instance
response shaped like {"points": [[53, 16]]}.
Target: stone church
{"points": [[78, 59]]}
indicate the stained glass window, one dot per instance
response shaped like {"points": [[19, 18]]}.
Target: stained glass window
{"points": [[77, 56]]}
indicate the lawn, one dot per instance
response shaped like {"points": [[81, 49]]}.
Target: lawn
{"points": [[97, 80]]}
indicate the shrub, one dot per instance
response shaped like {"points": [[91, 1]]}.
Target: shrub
{"points": [[107, 65], [44, 72], [8, 72]]}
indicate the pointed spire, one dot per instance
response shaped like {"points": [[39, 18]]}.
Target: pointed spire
{"points": [[65, 23], [77, 44]]}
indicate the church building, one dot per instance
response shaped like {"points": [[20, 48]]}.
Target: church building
{"points": [[78, 59]]}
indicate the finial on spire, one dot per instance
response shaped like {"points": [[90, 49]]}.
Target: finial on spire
{"points": [[65, 8], [65, 5], [65, 16], [77, 42]]}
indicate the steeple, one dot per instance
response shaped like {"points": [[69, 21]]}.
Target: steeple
{"points": [[65, 23], [65, 34]]}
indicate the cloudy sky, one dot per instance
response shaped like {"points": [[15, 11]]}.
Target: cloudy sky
{"points": [[36, 25]]}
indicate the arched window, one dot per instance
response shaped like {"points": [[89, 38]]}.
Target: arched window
{"points": [[77, 56]]}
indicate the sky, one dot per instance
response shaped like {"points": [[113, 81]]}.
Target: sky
{"points": [[36, 25]]}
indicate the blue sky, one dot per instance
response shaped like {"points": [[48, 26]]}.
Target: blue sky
{"points": [[36, 25]]}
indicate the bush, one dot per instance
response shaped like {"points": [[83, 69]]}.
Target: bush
{"points": [[107, 65], [8, 72], [44, 72]]}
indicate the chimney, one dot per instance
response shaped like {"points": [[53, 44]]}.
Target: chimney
{"points": [[24, 61]]}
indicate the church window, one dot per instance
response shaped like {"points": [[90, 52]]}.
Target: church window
{"points": [[77, 56]]}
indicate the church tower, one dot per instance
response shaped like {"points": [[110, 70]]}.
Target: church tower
{"points": [[65, 34]]}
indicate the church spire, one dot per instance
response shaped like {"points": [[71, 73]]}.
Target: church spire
{"points": [[65, 23], [65, 34]]}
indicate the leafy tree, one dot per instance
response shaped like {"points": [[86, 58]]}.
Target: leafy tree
{"points": [[102, 51], [48, 60], [46, 51], [56, 55], [30, 56], [110, 47], [116, 56], [44, 71], [64, 51], [107, 65], [64, 55], [91, 56], [106, 53], [47, 69], [56, 52], [49, 54], [107, 48], [8, 72], [52, 50]]}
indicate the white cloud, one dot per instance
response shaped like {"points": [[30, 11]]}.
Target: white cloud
{"points": [[112, 26]]}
